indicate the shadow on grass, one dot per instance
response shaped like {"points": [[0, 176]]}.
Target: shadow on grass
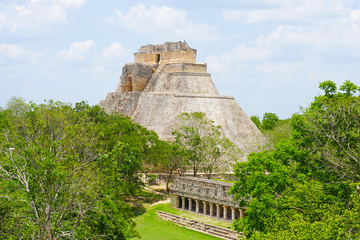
{"points": [[141, 198]]}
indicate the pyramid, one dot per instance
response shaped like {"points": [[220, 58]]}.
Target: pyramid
{"points": [[164, 81]]}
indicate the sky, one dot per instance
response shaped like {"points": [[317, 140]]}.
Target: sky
{"points": [[269, 54]]}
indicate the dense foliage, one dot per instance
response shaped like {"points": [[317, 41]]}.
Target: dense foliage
{"points": [[307, 187], [65, 171], [273, 128], [202, 143]]}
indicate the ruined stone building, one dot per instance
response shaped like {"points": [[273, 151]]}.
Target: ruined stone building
{"points": [[164, 81], [204, 196]]}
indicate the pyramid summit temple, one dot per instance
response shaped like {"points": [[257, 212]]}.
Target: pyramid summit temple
{"points": [[164, 81]]}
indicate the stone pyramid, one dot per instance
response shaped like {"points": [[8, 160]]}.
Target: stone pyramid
{"points": [[164, 81]]}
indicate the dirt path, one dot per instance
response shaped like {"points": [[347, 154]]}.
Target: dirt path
{"points": [[161, 202]]}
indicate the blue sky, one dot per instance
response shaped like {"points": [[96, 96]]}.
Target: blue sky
{"points": [[270, 54]]}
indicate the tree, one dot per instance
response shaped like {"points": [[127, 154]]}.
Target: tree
{"points": [[349, 88], [329, 130], [328, 86], [220, 155], [261, 180], [45, 161], [61, 177], [269, 121], [173, 158], [307, 186], [256, 121], [202, 140], [273, 128]]}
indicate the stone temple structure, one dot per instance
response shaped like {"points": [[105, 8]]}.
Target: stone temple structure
{"points": [[204, 196], [164, 81]]}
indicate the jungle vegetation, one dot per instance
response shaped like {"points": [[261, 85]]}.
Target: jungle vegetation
{"points": [[307, 186], [70, 171]]}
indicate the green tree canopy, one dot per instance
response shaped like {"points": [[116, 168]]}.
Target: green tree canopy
{"points": [[328, 86], [206, 148], [348, 88], [269, 121], [307, 187], [64, 171]]}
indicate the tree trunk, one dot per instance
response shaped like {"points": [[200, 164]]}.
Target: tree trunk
{"points": [[168, 180]]}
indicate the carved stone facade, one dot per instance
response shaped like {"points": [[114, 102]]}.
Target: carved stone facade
{"points": [[205, 196], [165, 53], [164, 81], [135, 77]]}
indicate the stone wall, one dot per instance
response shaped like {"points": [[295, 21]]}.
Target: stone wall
{"points": [[203, 189], [153, 95], [186, 67], [164, 53], [135, 77]]}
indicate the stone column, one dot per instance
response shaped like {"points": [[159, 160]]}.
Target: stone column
{"points": [[218, 210], [183, 202], [225, 212], [190, 204], [177, 203], [197, 206], [204, 207], [241, 212], [232, 213], [211, 209]]}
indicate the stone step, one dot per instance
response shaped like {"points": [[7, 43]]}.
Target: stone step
{"points": [[213, 230]]}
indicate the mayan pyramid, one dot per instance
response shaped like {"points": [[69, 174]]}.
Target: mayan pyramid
{"points": [[164, 81]]}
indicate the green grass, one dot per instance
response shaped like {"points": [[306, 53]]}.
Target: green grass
{"points": [[194, 216], [222, 180], [152, 227]]}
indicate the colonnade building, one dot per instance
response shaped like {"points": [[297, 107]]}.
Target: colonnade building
{"points": [[204, 196]]}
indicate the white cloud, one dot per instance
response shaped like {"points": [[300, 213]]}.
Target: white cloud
{"points": [[295, 10], [76, 51], [114, 51], [70, 3], [35, 14], [164, 21], [11, 50], [16, 52], [241, 54], [355, 15], [302, 35]]}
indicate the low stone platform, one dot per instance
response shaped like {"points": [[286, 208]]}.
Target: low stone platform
{"points": [[216, 231]]}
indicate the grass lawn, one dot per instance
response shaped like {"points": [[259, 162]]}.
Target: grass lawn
{"points": [[194, 216], [152, 227], [222, 180]]}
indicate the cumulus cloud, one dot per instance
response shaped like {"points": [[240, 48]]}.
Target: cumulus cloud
{"points": [[301, 39], [70, 3], [355, 15], [35, 14], [114, 51], [11, 50], [16, 52], [314, 24], [296, 10], [164, 21], [77, 50], [241, 55]]}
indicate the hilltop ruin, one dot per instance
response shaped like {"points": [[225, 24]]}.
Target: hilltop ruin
{"points": [[164, 81]]}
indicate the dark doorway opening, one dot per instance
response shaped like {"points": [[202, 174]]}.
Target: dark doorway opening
{"points": [[157, 58]]}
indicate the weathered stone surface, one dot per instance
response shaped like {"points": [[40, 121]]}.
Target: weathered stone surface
{"points": [[167, 52], [204, 190], [220, 232], [153, 94]]}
